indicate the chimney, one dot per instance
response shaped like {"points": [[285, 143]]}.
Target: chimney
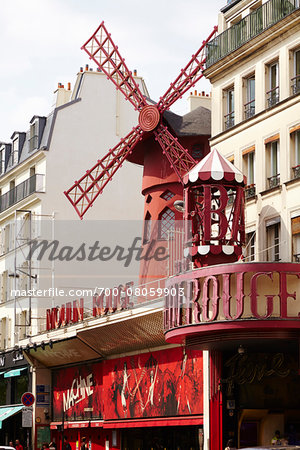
{"points": [[202, 99], [62, 95]]}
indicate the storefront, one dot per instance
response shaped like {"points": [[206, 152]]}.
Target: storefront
{"points": [[141, 401], [247, 316], [15, 379]]}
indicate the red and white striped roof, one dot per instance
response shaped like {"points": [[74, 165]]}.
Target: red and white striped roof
{"points": [[214, 166]]}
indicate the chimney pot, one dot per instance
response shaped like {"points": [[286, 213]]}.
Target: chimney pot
{"points": [[135, 72], [203, 93], [195, 93], [81, 69], [86, 67], [69, 86]]}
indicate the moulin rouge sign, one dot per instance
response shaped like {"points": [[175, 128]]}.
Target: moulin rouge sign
{"points": [[107, 301], [239, 291]]}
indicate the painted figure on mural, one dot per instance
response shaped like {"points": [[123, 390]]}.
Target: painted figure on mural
{"points": [[154, 384]]}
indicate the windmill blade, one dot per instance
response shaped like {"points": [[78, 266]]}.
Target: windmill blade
{"points": [[84, 192], [179, 158], [102, 50], [188, 77]]}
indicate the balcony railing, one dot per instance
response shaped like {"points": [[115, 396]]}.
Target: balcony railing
{"points": [[296, 171], [229, 120], [21, 191], [33, 142], [274, 181], [250, 191], [250, 26], [249, 109], [273, 96], [296, 84]]}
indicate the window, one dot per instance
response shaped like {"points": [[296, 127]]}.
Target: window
{"points": [[2, 161], [147, 227], [296, 72], [167, 223], [296, 239], [33, 140], [229, 108], [167, 195], [273, 240], [15, 152], [250, 246], [249, 170], [197, 151], [273, 84], [4, 286], [12, 192], [5, 332], [295, 152], [249, 106], [272, 164]]}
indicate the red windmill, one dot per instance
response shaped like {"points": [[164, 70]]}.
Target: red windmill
{"points": [[102, 50]]}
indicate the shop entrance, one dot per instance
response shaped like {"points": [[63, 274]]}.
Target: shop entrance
{"points": [[261, 394], [160, 438]]}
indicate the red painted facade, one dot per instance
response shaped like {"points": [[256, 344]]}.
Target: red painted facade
{"points": [[158, 384], [161, 388]]}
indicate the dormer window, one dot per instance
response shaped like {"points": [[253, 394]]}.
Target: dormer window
{"points": [[2, 160], [33, 140], [37, 126], [15, 152]]}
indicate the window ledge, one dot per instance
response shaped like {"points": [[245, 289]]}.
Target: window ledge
{"points": [[251, 199], [291, 182], [274, 189]]}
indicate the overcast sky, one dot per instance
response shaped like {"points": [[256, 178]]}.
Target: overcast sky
{"points": [[40, 43]]}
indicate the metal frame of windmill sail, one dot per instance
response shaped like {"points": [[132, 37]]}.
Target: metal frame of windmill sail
{"points": [[102, 50]]}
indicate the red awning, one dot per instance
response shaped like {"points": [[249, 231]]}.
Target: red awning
{"points": [[54, 425], [85, 424], [96, 423], [165, 422]]}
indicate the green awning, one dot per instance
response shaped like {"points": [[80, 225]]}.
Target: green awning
{"points": [[14, 372], [8, 411]]}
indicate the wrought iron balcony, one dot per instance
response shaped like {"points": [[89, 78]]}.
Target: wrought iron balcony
{"points": [[274, 181], [296, 84], [33, 142], [229, 120], [296, 171], [250, 191], [21, 191], [250, 26], [273, 96], [249, 109]]}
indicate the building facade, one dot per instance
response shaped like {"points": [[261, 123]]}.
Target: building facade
{"points": [[33, 176], [253, 66]]}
